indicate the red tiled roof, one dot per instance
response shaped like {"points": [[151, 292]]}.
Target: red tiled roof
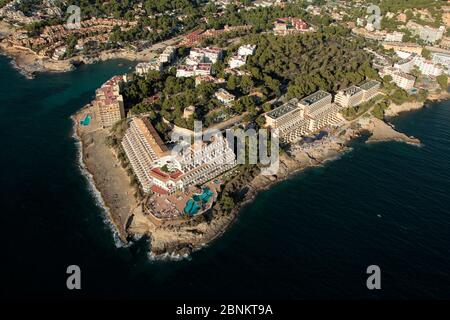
{"points": [[159, 190]]}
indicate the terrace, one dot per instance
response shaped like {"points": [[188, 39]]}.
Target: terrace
{"points": [[192, 202]]}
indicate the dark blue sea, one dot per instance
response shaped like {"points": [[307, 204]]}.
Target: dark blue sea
{"points": [[312, 236]]}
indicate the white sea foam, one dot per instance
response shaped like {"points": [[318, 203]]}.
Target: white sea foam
{"points": [[13, 63], [95, 192]]}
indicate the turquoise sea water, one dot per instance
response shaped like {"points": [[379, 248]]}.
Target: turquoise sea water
{"points": [[312, 236]]}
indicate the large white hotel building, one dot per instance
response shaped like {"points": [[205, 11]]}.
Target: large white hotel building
{"points": [[165, 172], [297, 118]]}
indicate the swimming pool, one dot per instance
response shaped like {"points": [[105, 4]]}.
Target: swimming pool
{"points": [[194, 204], [86, 121]]}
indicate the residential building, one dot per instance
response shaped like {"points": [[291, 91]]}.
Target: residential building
{"points": [[240, 58], [394, 37], [283, 26], [442, 59], [201, 69], [403, 46], [143, 147], [144, 67], [428, 68], [199, 62], [185, 71], [405, 65], [167, 55], [401, 79], [426, 33], [237, 61], [208, 54], [431, 35], [246, 50]]}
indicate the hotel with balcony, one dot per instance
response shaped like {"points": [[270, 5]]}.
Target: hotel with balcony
{"points": [[349, 97], [370, 89], [297, 118], [143, 147], [165, 172], [401, 79]]}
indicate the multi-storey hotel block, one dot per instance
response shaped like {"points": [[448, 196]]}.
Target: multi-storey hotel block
{"points": [[349, 97], [143, 147], [401, 79], [165, 172], [108, 103], [355, 95], [297, 118], [370, 89]]}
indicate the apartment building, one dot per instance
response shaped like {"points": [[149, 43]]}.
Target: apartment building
{"points": [[428, 68], [208, 54], [403, 46], [406, 65], [442, 59], [349, 97], [108, 103], [237, 61], [246, 50], [144, 67], [199, 62], [431, 35], [167, 55], [203, 161], [394, 37], [316, 101]]}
